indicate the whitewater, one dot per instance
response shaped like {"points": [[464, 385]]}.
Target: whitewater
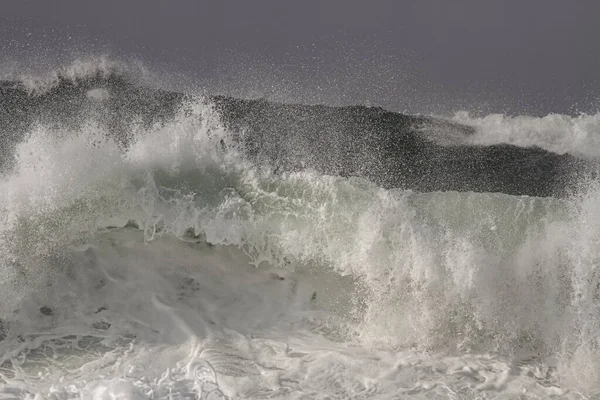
{"points": [[176, 266]]}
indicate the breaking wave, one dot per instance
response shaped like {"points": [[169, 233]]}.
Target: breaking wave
{"points": [[557, 133], [177, 264]]}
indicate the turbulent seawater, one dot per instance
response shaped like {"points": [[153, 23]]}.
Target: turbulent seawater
{"points": [[164, 261]]}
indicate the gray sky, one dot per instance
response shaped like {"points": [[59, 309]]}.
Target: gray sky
{"points": [[514, 56]]}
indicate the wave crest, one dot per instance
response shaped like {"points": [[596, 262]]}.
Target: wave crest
{"points": [[557, 133], [86, 72]]}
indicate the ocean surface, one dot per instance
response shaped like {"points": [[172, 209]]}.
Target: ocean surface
{"points": [[162, 245]]}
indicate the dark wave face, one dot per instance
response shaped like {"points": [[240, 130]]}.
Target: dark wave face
{"points": [[390, 149]]}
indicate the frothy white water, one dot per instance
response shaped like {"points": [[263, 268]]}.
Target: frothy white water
{"points": [[555, 132], [312, 285]]}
